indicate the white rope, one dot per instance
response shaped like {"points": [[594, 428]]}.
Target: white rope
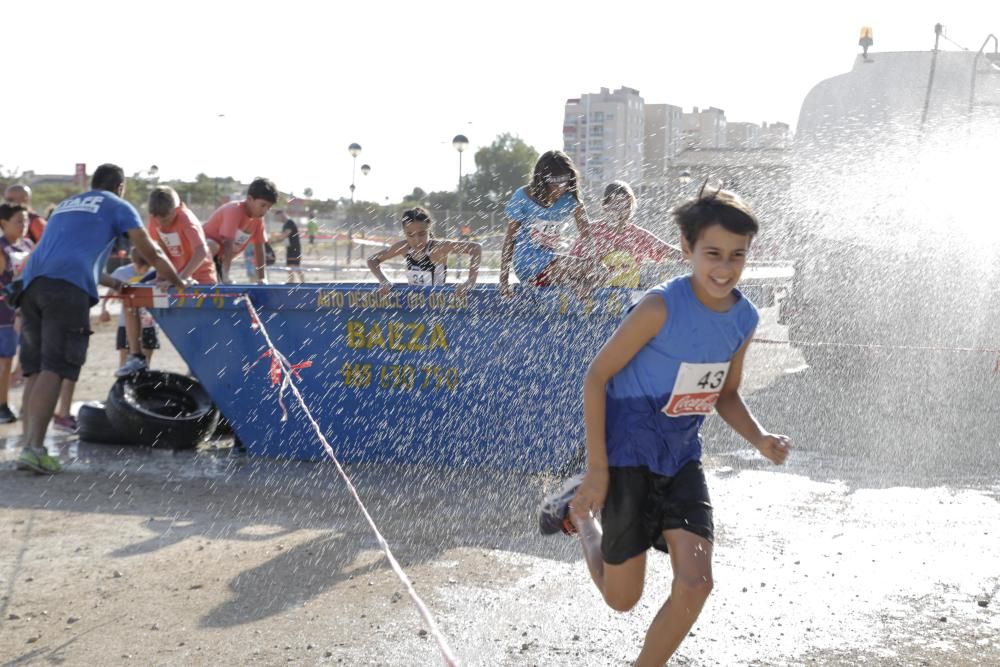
{"points": [[287, 382]]}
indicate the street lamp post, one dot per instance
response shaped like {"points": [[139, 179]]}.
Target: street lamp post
{"points": [[355, 151], [460, 142], [365, 169]]}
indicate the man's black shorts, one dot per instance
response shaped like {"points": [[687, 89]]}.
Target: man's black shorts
{"points": [[56, 328], [640, 505], [293, 260]]}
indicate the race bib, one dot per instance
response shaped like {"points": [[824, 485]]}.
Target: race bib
{"points": [[172, 240], [242, 238], [546, 233], [420, 277], [696, 389]]}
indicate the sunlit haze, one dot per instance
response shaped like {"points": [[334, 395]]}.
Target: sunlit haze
{"points": [[280, 89]]}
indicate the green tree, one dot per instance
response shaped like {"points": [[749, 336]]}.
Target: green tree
{"points": [[206, 190], [442, 201], [501, 168], [417, 195]]}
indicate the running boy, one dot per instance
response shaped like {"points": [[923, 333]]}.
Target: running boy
{"points": [[15, 250], [237, 224], [426, 257], [676, 356]]}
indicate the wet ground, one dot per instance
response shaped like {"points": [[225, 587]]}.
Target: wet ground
{"points": [[877, 545]]}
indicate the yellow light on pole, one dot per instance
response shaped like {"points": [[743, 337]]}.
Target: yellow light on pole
{"points": [[866, 40]]}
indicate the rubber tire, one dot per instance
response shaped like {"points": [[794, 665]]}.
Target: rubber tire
{"points": [[224, 429], [162, 409], [95, 427]]}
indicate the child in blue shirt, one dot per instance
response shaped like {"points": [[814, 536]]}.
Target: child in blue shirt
{"points": [[677, 356], [537, 213]]}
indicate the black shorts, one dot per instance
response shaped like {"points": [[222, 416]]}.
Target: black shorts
{"points": [[55, 331], [640, 505], [147, 339], [293, 260]]}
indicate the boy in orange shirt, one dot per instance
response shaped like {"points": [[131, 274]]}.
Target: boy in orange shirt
{"points": [[236, 225], [177, 231], [180, 234]]}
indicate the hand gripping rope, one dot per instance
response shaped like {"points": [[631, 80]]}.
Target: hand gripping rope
{"points": [[284, 372]]}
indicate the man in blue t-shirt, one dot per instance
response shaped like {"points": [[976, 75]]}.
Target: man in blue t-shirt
{"points": [[60, 286]]}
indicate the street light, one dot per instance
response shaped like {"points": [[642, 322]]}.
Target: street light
{"points": [[460, 142], [365, 169], [355, 151]]}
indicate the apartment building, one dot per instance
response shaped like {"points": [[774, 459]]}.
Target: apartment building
{"points": [[705, 128], [604, 134], [664, 140]]}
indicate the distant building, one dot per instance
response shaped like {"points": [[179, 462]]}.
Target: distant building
{"points": [[604, 134], [743, 135], [664, 140], [705, 128], [775, 135]]}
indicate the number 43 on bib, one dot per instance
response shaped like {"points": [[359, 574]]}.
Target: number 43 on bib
{"points": [[696, 389]]}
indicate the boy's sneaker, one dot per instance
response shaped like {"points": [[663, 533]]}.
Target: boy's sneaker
{"points": [[40, 462], [65, 424], [134, 364], [553, 513], [7, 416]]}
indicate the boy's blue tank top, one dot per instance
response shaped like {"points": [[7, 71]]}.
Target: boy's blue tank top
{"points": [[638, 431]]}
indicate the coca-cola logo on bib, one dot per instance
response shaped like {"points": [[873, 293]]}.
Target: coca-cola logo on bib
{"points": [[692, 404]]}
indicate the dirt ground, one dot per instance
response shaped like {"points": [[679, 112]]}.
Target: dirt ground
{"points": [[143, 557]]}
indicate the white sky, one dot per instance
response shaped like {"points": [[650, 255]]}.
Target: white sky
{"points": [[142, 83]]}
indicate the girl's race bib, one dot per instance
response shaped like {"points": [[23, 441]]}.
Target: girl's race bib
{"points": [[415, 277], [696, 389], [418, 277], [547, 233]]}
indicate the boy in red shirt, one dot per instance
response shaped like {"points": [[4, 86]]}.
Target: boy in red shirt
{"points": [[236, 225], [621, 244]]}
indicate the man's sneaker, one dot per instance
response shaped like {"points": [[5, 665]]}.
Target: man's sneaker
{"points": [[40, 462], [553, 513], [134, 364], [6, 414], [65, 424]]}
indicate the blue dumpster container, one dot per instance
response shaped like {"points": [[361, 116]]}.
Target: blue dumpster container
{"points": [[421, 375]]}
